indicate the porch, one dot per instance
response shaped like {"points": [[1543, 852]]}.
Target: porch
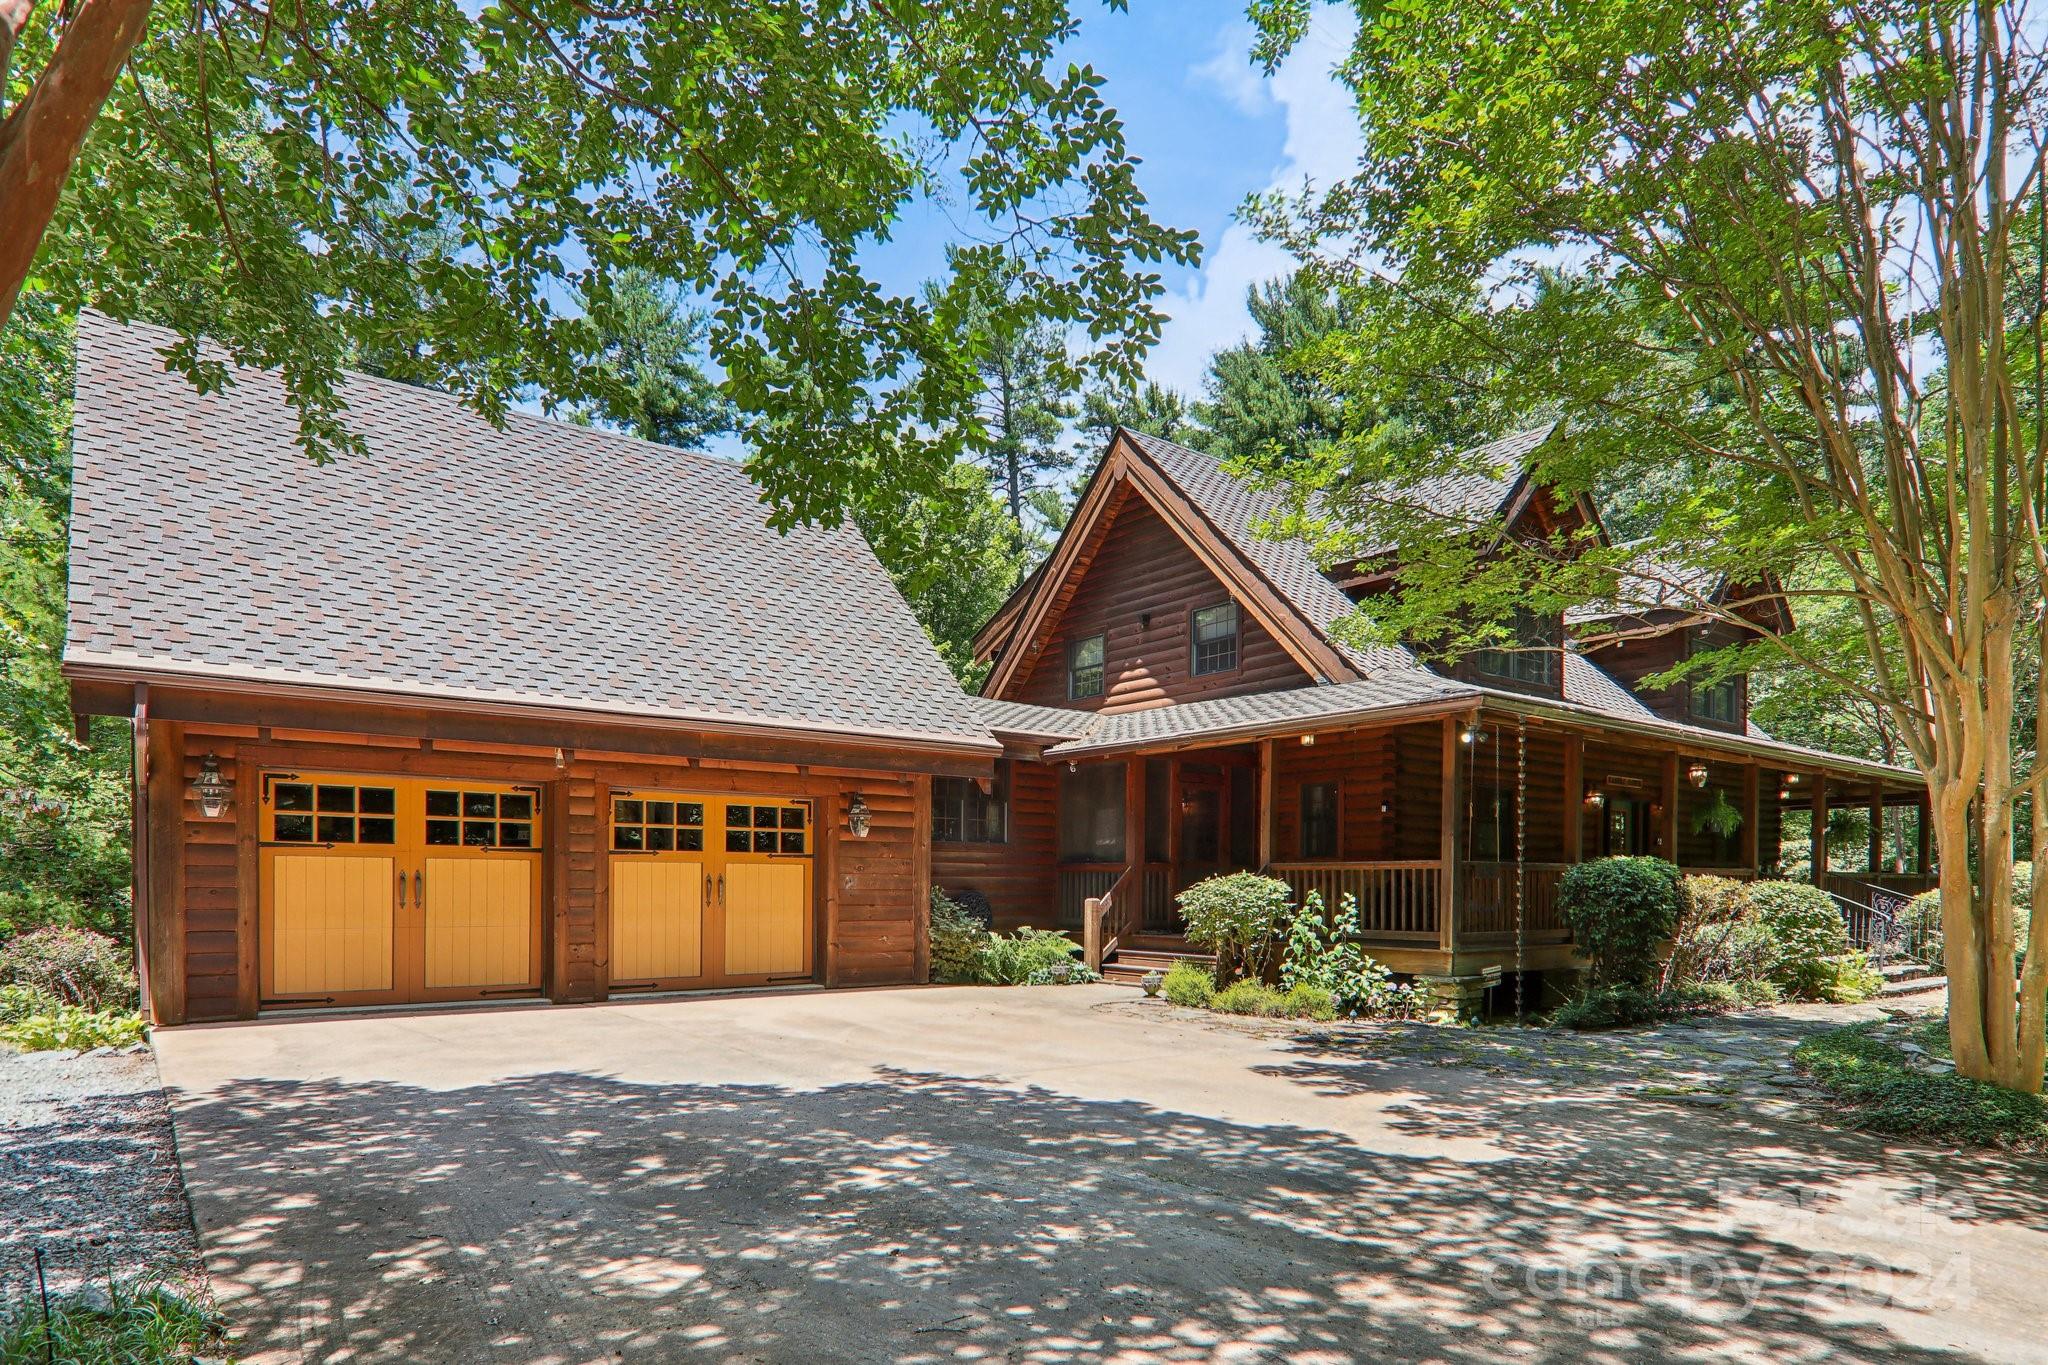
{"points": [[1452, 836]]}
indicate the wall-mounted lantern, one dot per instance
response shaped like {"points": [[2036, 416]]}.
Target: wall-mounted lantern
{"points": [[858, 818], [1472, 734], [1595, 800], [1697, 774], [211, 789], [1308, 741]]}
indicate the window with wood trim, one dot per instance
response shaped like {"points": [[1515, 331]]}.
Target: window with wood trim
{"points": [[1319, 820], [964, 811], [1084, 668], [1214, 632], [1720, 702], [1533, 662]]}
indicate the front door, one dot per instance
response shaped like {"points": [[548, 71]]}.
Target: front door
{"points": [[1204, 822], [709, 890], [379, 890]]}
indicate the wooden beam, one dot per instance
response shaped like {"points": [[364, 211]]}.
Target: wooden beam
{"points": [[1266, 779], [141, 932], [1574, 797], [1448, 843], [1134, 819], [555, 876], [1874, 862], [921, 860], [1924, 835], [1667, 831], [1819, 840], [164, 825], [1752, 816]]}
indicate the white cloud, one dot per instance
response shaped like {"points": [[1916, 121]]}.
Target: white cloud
{"points": [[1322, 144]]}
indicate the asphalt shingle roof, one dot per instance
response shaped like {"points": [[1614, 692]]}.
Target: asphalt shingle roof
{"points": [[1030, 721], [544, 563]]}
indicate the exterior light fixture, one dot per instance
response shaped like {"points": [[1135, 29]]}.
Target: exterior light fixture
{"points": [[1596, 799], [1697, 774], [1472, 734], [1308, 741], [211, 789], [858, 818]]}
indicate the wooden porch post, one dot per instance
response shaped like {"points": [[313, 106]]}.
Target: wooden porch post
{"points": [[1667, 832], [1752, 813], [1265, 804], [1875, 862], [1924, 855], [1134, 816], [1574, 797], [1819, 839], [1448, 841]]}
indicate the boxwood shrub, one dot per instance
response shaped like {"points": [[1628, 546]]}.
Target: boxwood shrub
{"points": [[1621, 912]]}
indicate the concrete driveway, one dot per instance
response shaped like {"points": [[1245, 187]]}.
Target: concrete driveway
{"points": [[1054, 1174]]}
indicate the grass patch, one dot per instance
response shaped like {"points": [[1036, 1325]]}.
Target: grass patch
{"points": [[1884, 1089], [133, 1323]]}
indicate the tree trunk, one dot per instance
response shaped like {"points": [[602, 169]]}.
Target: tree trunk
{"points": [[41, 138]]}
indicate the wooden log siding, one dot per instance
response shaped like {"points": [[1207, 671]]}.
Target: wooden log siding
{"points": [[1636, 774], [1141, 566], [871, 893], [1017, 876], [1700, 848]]}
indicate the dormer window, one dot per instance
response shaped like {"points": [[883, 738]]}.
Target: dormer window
{"points": [[1720, 702], [1084, 669], [1215, 638], [1533, 664]]}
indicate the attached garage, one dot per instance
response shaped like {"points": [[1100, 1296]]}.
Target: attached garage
{"points": [[383, 891], [483, 713], [708, 891]]}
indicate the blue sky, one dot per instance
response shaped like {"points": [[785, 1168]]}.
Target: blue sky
{"points": [[1211, 129]]}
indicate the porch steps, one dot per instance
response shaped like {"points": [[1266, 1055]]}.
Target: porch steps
{"points": [[1909, 978], [1151, 953]]}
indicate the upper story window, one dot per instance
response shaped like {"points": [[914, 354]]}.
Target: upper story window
{"points": [[1215, 637], [1084, 669], [1720, 702], [1534, 664], [964, 813]]}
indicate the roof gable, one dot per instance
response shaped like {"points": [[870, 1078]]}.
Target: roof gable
{"points": [[541, 563]]}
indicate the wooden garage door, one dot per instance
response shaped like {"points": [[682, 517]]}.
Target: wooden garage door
{"points": [[709, 891], [383, 890]]}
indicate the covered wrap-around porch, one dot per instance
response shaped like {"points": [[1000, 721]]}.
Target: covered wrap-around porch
{"points": [[1455, 877]]}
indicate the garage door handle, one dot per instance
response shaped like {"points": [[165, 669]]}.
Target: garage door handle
{"points": [[419, 890], [707, 888], [721, 888], [401, 888]]}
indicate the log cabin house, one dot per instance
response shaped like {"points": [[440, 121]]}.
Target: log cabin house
{"points": [[1174, 702], [487, 714], [545, 712]]}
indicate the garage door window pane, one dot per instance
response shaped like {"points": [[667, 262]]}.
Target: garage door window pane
{"points": [[377, 831], [293, 796], [514, 806], [444, 832], [295, 829]]}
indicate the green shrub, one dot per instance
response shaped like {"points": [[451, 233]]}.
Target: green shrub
{"points": [[19, 1002], [1240, 918], [1623, 1006], [1323, 952], [134, 1323], [77, 966], [1247, 996], [1189, 984], [1308, 1002], [1621, 911], [1716, 937], [957, 940], [1806, 929], [1014, 961], [73, 1029], [1844, 980], [1881, 1088]]}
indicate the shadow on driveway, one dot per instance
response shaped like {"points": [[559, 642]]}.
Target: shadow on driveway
{"points": [[569, 1217]]}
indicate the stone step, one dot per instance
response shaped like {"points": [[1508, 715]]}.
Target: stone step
{"points": [[1913, 985], [1152, 959], [1906, 970]]}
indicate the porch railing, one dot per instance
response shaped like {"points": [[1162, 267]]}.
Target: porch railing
{"points": [[1080, 883], [1488, 908], [1107, 919], [1395, 900]]}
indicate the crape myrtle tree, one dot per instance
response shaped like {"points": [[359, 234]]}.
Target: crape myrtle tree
{"points": [[227, 166], [1776, 268]]}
